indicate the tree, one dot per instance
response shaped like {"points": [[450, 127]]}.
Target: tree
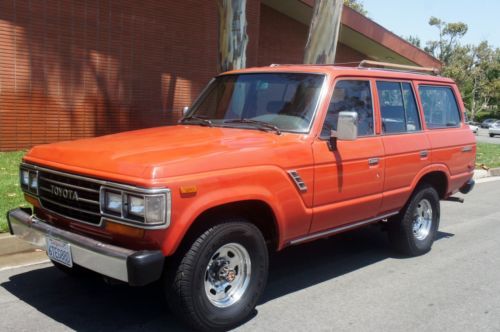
{"points": [[414, 40], [356, 5], [233, 38], [449, 35], [323, 32], [475, 68]]}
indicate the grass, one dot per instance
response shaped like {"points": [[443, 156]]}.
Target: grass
{"points": [[488, 154], [11, 195]]}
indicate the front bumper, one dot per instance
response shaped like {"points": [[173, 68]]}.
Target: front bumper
{"points": [[137, 268]]}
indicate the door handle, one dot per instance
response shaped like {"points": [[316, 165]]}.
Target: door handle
{"points": [[373, 161], [467, 148], [424, 154]]}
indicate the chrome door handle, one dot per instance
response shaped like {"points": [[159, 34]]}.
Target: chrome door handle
{"points": [[467, 148], [373, 161], [424, 153]]}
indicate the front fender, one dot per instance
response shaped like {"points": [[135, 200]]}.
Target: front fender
{"points": [[267, 184]]}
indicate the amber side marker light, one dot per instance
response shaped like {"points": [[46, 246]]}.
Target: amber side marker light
{"points": [[188, 190], [125, 230]]}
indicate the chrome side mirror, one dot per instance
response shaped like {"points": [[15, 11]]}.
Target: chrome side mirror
{"points": [[347, 129], [185, 110]]}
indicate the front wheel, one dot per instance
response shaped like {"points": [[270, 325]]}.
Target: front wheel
{"points": [[491, 135], [221, 276], [413, 231]]}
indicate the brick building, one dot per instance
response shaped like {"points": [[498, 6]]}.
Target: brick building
{"points": [[80, 68]]}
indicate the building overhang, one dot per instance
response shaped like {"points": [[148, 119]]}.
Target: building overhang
{"points": [[362, 34]]}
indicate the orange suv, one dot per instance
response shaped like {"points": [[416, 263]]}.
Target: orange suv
{"points": [[264, 159]]}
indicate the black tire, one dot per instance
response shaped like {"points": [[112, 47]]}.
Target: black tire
{"points": [[491, 135], [185, 285], [401, 227]]}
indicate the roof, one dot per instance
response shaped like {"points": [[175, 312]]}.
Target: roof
{"points": [[362, 34]]}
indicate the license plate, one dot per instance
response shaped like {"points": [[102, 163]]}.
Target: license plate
{"points": [[59, 251]]}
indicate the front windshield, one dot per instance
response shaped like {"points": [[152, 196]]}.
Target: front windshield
{"points": [[283, 100]]}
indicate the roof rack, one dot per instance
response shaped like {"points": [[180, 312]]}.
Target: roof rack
{"points": [[394, 66]]}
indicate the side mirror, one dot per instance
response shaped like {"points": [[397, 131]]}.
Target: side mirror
{"points": [[347, 129], [185, 110]]}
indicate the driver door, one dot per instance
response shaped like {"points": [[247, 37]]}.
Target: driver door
{"points": [[348, 180]]}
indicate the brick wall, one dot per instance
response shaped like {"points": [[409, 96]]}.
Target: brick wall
{"points": [[71, 69]]}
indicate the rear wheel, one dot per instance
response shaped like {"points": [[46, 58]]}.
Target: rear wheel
{"points": [[491, 135], [413, 231], [221, 276]]}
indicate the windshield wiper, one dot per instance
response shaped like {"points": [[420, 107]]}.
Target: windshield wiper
{"points": [[259, 124], [198, 120]]}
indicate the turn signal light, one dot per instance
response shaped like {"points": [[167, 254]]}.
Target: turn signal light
{"points": [[124, 230]]}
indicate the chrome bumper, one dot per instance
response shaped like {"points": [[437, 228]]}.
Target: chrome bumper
{"points": [[134, 267]]}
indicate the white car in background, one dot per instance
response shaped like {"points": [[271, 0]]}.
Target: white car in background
{"points": [[494, 129], [474, 128]]}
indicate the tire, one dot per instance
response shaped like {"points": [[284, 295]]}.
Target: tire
{"points": [[491, 135], [207, 293], [413, 231]]}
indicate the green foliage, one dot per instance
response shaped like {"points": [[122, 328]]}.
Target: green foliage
{"points": [[11, 195], [357, 5], [475, 68], [481, 116], [414, 40]]}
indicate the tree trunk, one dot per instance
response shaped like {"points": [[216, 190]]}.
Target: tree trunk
{"points": [[233, 38], [323, 32]]}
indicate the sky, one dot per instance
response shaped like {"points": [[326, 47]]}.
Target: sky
{"points": [[404, 17]]}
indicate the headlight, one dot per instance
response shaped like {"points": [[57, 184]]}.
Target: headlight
{"points": [[113, 202], [148, 208], [29, 180], [136, 205]]}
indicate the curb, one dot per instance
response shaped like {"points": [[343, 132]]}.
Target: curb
{"points": [[10, 244], [483, 173]]}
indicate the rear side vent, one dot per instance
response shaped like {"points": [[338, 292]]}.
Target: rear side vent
{"points": [[298, 180]]}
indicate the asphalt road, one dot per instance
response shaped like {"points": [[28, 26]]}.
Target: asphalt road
{"points": [[351, 282], [483, 136]]}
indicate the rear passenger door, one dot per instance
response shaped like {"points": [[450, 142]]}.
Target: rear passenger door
{"points": [[407, 149], [451, 140]]}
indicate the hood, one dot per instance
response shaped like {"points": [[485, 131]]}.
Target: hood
{"points": [[172, 151]]}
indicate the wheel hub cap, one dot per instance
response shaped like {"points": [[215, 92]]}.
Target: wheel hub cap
{"points": [[227, 275], [422, 220]]}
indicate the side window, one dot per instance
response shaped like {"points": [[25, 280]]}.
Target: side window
{"points": [[412, 117], [397, 107], [440, 106], [350, 95]]}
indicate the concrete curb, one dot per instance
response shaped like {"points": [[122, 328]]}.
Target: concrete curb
{"points": [[483, 173], [12, 245]]}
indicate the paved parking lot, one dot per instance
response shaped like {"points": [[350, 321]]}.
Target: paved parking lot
{"points": [[484, 137], [351, 282]]}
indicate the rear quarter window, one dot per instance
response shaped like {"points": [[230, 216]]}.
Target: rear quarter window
{"points": [[440, 106]]}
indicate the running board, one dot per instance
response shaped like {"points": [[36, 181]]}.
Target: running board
{"points": [[336, 230]]}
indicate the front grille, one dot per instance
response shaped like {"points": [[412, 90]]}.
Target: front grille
{"points": [[69, 196]]}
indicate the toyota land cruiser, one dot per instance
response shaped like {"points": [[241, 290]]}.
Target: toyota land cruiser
{"points": [[264, 159]]}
